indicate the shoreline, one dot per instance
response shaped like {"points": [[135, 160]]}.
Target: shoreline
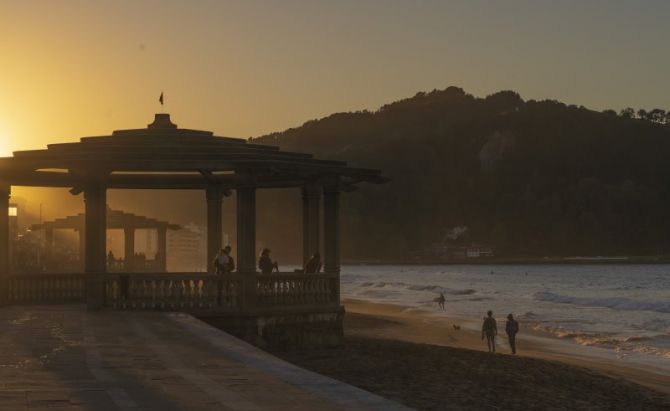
{"points": [[414, 325], [518, 261]]}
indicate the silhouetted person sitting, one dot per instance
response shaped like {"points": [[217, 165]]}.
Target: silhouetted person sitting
{"points": [[490, 330], [265, 264], [313, 265], [110, 259], [511, 328]]}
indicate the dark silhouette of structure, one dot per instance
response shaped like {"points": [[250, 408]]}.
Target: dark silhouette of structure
{"points": [[116, 219], [163, 156]]}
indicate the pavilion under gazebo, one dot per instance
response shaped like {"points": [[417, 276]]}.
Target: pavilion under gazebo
{"points": [[116, 220], [163, 156]]}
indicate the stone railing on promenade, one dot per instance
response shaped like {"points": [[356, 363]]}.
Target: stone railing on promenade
{"points": [[227, 293], [173, 291], [191, 292], [295, 289], [47, 288]]}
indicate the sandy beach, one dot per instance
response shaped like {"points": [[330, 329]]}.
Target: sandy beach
{"points": [[423, 361]]}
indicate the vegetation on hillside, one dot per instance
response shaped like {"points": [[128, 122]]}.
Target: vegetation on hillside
{"points": [[527, 177]]}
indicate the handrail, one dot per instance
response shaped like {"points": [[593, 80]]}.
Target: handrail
{"points": [[46, 288], [183, 291]]}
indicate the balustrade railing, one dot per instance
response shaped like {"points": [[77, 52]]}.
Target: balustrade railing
{"points": [[47, 288], [291, 289], [175, 291], [182, 291]]}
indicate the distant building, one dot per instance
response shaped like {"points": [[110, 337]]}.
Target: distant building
{"points": [[478, 251], [187, 248], [446, 252]]}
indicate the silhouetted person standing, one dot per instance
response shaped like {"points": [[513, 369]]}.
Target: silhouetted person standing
{"points": [[224, 263], [511, 328], [490, 330]]}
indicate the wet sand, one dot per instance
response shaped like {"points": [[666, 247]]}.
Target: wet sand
{"points": [[422, 361]]}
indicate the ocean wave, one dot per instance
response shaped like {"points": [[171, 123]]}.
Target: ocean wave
{"points": [[480, 299], [657, 324], [653, 345], [417, 287], [616, 303]]}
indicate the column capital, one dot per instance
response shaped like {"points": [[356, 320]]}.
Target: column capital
{"points": [[332, 185], [214, 193], [311, 190], [246, 179], [95, 190]]}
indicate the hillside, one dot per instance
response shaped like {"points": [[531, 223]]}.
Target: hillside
{"points": [[528, 177]]}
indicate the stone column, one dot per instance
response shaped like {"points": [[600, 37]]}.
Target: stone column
{"points": [[48, 247], [82, 248], [95, 197], [246, 241], [214, 195], [246, 229], [331, 228], [5, 192], [129, 249], [310, 221], [162, 249]]}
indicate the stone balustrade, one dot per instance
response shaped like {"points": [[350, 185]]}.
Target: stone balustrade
{"points": [[47, 288], [291, 289], [181, 291], [174, 292]]}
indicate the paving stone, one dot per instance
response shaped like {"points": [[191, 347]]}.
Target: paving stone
{"points": [[67, 358]]}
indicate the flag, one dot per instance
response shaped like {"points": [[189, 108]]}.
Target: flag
{"points": [[160, 99]]}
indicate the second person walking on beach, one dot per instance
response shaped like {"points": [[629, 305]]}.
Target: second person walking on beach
{"points": [[511, 328]]}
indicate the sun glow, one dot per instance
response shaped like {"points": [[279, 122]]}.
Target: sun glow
{"points": [[5, 151]]}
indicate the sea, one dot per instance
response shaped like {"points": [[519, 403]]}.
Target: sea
{"points": [[624, 309]]}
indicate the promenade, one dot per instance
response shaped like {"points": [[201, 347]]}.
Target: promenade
{"points": [[67, 358]]}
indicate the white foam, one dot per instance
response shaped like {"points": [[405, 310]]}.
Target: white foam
{"points": [[616, 303]]}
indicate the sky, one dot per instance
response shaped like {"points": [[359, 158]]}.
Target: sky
{"points": [[245, 68]]}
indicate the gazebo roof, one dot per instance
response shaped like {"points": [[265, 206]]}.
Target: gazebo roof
{"points": [[165, 156], [116, 219]]}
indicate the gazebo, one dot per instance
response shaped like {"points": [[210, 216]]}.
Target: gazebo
{"points": [[163, 156], [116, 220]]}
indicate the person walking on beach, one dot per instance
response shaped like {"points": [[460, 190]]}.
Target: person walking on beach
{"points": [[490, 330], [440, 301], [511, 328]]}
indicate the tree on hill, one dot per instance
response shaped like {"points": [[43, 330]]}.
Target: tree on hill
{"points": [[527, 177]]}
